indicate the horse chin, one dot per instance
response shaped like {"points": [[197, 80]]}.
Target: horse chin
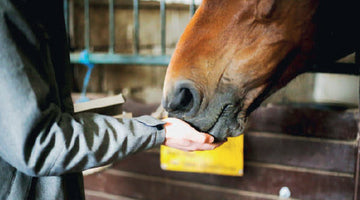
{"points": [[227, 128], [227, 124], [220, 122]]}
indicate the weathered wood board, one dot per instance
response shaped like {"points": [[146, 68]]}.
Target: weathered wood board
{"points": [[288, 146]]}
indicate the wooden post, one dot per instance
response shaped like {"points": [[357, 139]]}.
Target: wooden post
{"points": [[356, 174]]}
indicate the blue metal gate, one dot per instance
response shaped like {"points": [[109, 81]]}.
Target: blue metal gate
{"points": [[111, 57]]}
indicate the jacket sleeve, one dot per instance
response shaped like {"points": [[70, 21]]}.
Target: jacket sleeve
{"points": [[36, 136]]}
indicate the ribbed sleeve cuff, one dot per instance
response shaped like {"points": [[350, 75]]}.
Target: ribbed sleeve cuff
{"points": [[160, 137], [158, 125]]}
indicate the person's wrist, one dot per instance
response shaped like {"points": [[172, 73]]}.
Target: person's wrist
{"points": [[164, 130]]}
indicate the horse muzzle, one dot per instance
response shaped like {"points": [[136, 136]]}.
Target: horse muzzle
{"points": [[219, 117], [184, 100]]}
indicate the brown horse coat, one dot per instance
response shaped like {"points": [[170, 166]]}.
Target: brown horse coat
{"points": [[235, 53]]}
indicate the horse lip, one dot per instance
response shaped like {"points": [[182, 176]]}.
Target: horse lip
{"points": [[218, 117], [242, 124], [224, 126], [220, 127]]}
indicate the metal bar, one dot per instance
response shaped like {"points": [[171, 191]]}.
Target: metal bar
{"points": [[163, 26], [136, 26], [106, 58], [336, 68], [111, 27], [87, 24], [192, 8], [83, 97]]}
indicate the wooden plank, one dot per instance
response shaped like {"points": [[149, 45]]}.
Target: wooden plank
{"points": [[138, 109], [108, 105], [305, 121], [324, 154], [356, 171], [97, 195], [139, 186], [89, 197], [91, 95], [258, 178]]}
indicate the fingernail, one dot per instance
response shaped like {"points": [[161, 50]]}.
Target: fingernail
{"points": [[211, 139]]}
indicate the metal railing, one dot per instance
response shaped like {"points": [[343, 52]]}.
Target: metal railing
{"points": [[111, 57]]}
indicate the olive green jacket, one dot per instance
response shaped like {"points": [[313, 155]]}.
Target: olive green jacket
{"points": [[44, 146]]}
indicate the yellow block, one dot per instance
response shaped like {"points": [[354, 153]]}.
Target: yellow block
{"points": [[228, 159]]}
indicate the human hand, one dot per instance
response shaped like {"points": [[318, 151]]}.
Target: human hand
{"points": [[180, 135]]}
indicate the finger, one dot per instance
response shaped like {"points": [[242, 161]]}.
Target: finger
{"points": [[196, 137], [178, 142], [214, 145], [218, 144], [201, 137], [188, 145], [209, 138], [205, 147], [175, 144]]}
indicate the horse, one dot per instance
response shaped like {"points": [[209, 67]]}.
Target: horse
{"points": [[235, 53]]}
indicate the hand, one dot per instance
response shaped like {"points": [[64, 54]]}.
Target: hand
{"points": [[180, 135]]}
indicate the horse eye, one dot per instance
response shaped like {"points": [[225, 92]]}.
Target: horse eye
{"points": [[265, 9]]}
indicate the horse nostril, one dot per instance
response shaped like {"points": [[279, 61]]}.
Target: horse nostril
{"points": [[185, 98], [182, 100]]}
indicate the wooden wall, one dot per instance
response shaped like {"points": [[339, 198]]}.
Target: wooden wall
{"points": [[312, 151]]}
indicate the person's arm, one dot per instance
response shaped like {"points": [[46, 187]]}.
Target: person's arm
{"points": [[36, 136]]}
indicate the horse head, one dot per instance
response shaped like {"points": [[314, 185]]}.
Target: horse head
{"points": [[232, 55]]}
